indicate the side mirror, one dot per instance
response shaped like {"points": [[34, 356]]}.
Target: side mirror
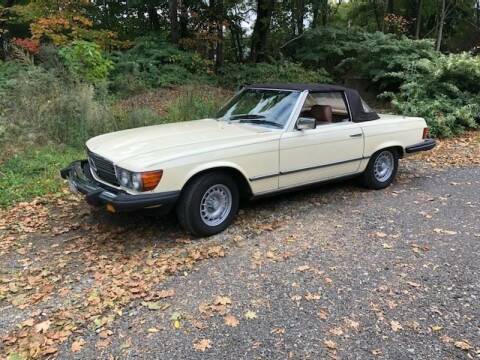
{"points": [[305, 123]]}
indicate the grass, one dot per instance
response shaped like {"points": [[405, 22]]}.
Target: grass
{"points": [[34, 172]]}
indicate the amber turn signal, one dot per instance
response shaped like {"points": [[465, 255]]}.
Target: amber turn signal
{"points": [[151, 179]]}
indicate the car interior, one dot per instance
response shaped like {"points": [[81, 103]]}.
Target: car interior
{"points": [[325, 108]]}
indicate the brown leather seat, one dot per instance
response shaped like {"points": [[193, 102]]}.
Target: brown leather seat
{"points": [[322, 113]]}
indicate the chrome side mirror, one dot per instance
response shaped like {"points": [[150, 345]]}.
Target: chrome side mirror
{"points": [[305, 123]]}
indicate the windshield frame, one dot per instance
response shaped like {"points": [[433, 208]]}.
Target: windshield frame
{"points": [[295, 108]]}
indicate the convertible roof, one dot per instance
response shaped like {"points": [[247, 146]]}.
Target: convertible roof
{"points": [[358, 112]]}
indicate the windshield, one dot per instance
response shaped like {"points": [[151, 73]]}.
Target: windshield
{"points": [[270, 108]]}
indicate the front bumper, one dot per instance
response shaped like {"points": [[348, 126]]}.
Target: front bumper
{"points": [[427, 144], [80, 179]]}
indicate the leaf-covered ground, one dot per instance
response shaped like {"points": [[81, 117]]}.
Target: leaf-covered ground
{"points": [[336, 272]]}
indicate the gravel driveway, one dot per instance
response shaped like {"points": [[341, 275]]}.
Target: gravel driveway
{"points": [[332, 272]]}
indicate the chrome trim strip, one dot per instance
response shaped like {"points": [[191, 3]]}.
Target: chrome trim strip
{"points": [[263, 177], [322, 166]]}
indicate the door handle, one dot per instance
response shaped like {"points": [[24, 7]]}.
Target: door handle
{"points": [[356, 135]]}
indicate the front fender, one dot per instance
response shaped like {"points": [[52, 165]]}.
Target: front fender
{"points": [[215, 165]]}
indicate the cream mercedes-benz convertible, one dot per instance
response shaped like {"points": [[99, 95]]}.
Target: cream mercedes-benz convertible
{"points": [[267, 139]]}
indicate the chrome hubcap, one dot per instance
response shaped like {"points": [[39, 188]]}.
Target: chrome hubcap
{"points": [[216, 205], [383, 167]]}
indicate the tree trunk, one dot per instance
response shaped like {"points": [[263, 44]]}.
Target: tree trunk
{"points": [[324, 8], [377, 15], [418, 19], [9, 3], [219, 26], [173, 17], [236, 33], [183, 19], [438, 44], [153, 18], [390, 7], [300, 16], [315, 11], [261, 30]]}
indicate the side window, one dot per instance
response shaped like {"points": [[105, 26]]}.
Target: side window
{"points": [[326, 108]]}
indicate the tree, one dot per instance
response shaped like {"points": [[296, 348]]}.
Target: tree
{"points": [[173, 17], [261, 30], [441, 24]]}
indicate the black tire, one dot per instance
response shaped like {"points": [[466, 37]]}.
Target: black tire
{"points": [[188, 208], [369, 178]]}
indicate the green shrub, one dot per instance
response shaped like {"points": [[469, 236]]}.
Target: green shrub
{"points": [[445, 91], [352, 53], [86, 62], [235, 75], [40, 106], [154, 63]]}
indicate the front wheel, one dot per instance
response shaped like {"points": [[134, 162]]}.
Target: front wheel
{"points": [[208, 204], [381, 169]]}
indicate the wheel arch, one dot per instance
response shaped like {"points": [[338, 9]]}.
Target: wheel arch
{"points": [[390, 145], [233, 170]]}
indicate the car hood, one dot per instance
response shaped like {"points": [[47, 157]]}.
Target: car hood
{"points": [[144, 148]]}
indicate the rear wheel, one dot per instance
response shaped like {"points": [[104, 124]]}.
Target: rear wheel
{"points": [[381, 169], [208, 204]]}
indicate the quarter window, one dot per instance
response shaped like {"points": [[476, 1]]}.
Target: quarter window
{"points": [[326, 108]]}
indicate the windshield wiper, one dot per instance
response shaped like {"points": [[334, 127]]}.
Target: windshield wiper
{"points": [[262, 122], [246, 116]]}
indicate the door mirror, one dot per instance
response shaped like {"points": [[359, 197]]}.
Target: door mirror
{"points": [[305, 123]]}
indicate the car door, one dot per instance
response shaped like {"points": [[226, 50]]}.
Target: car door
{"points": [[329, 151]]}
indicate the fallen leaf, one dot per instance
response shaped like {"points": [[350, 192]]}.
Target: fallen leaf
{"points": [[395, 325], [387, 246], [222, 300], [332, 345], [336, 331], [43, 326], [202, 345], [352, 324], [153, 330], [231, 320], [310, 297], [436, 327], [250, 315], [463, 344], [77, 345], [28, 323], [166, 293]]}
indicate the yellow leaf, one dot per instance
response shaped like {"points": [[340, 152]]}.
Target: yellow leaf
{"points": [[436, 327], [250, 315]]}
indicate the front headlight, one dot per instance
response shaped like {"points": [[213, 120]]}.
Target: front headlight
{"points": [[124, 178], [139, 181]]}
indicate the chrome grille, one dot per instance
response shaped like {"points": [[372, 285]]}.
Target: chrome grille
{"points": [[103, 168]]}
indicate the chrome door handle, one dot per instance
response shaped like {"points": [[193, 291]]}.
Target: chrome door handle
{"points": [[356, 135]]}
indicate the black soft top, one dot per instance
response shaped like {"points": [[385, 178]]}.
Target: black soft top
{"points": [[358, 111]]}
